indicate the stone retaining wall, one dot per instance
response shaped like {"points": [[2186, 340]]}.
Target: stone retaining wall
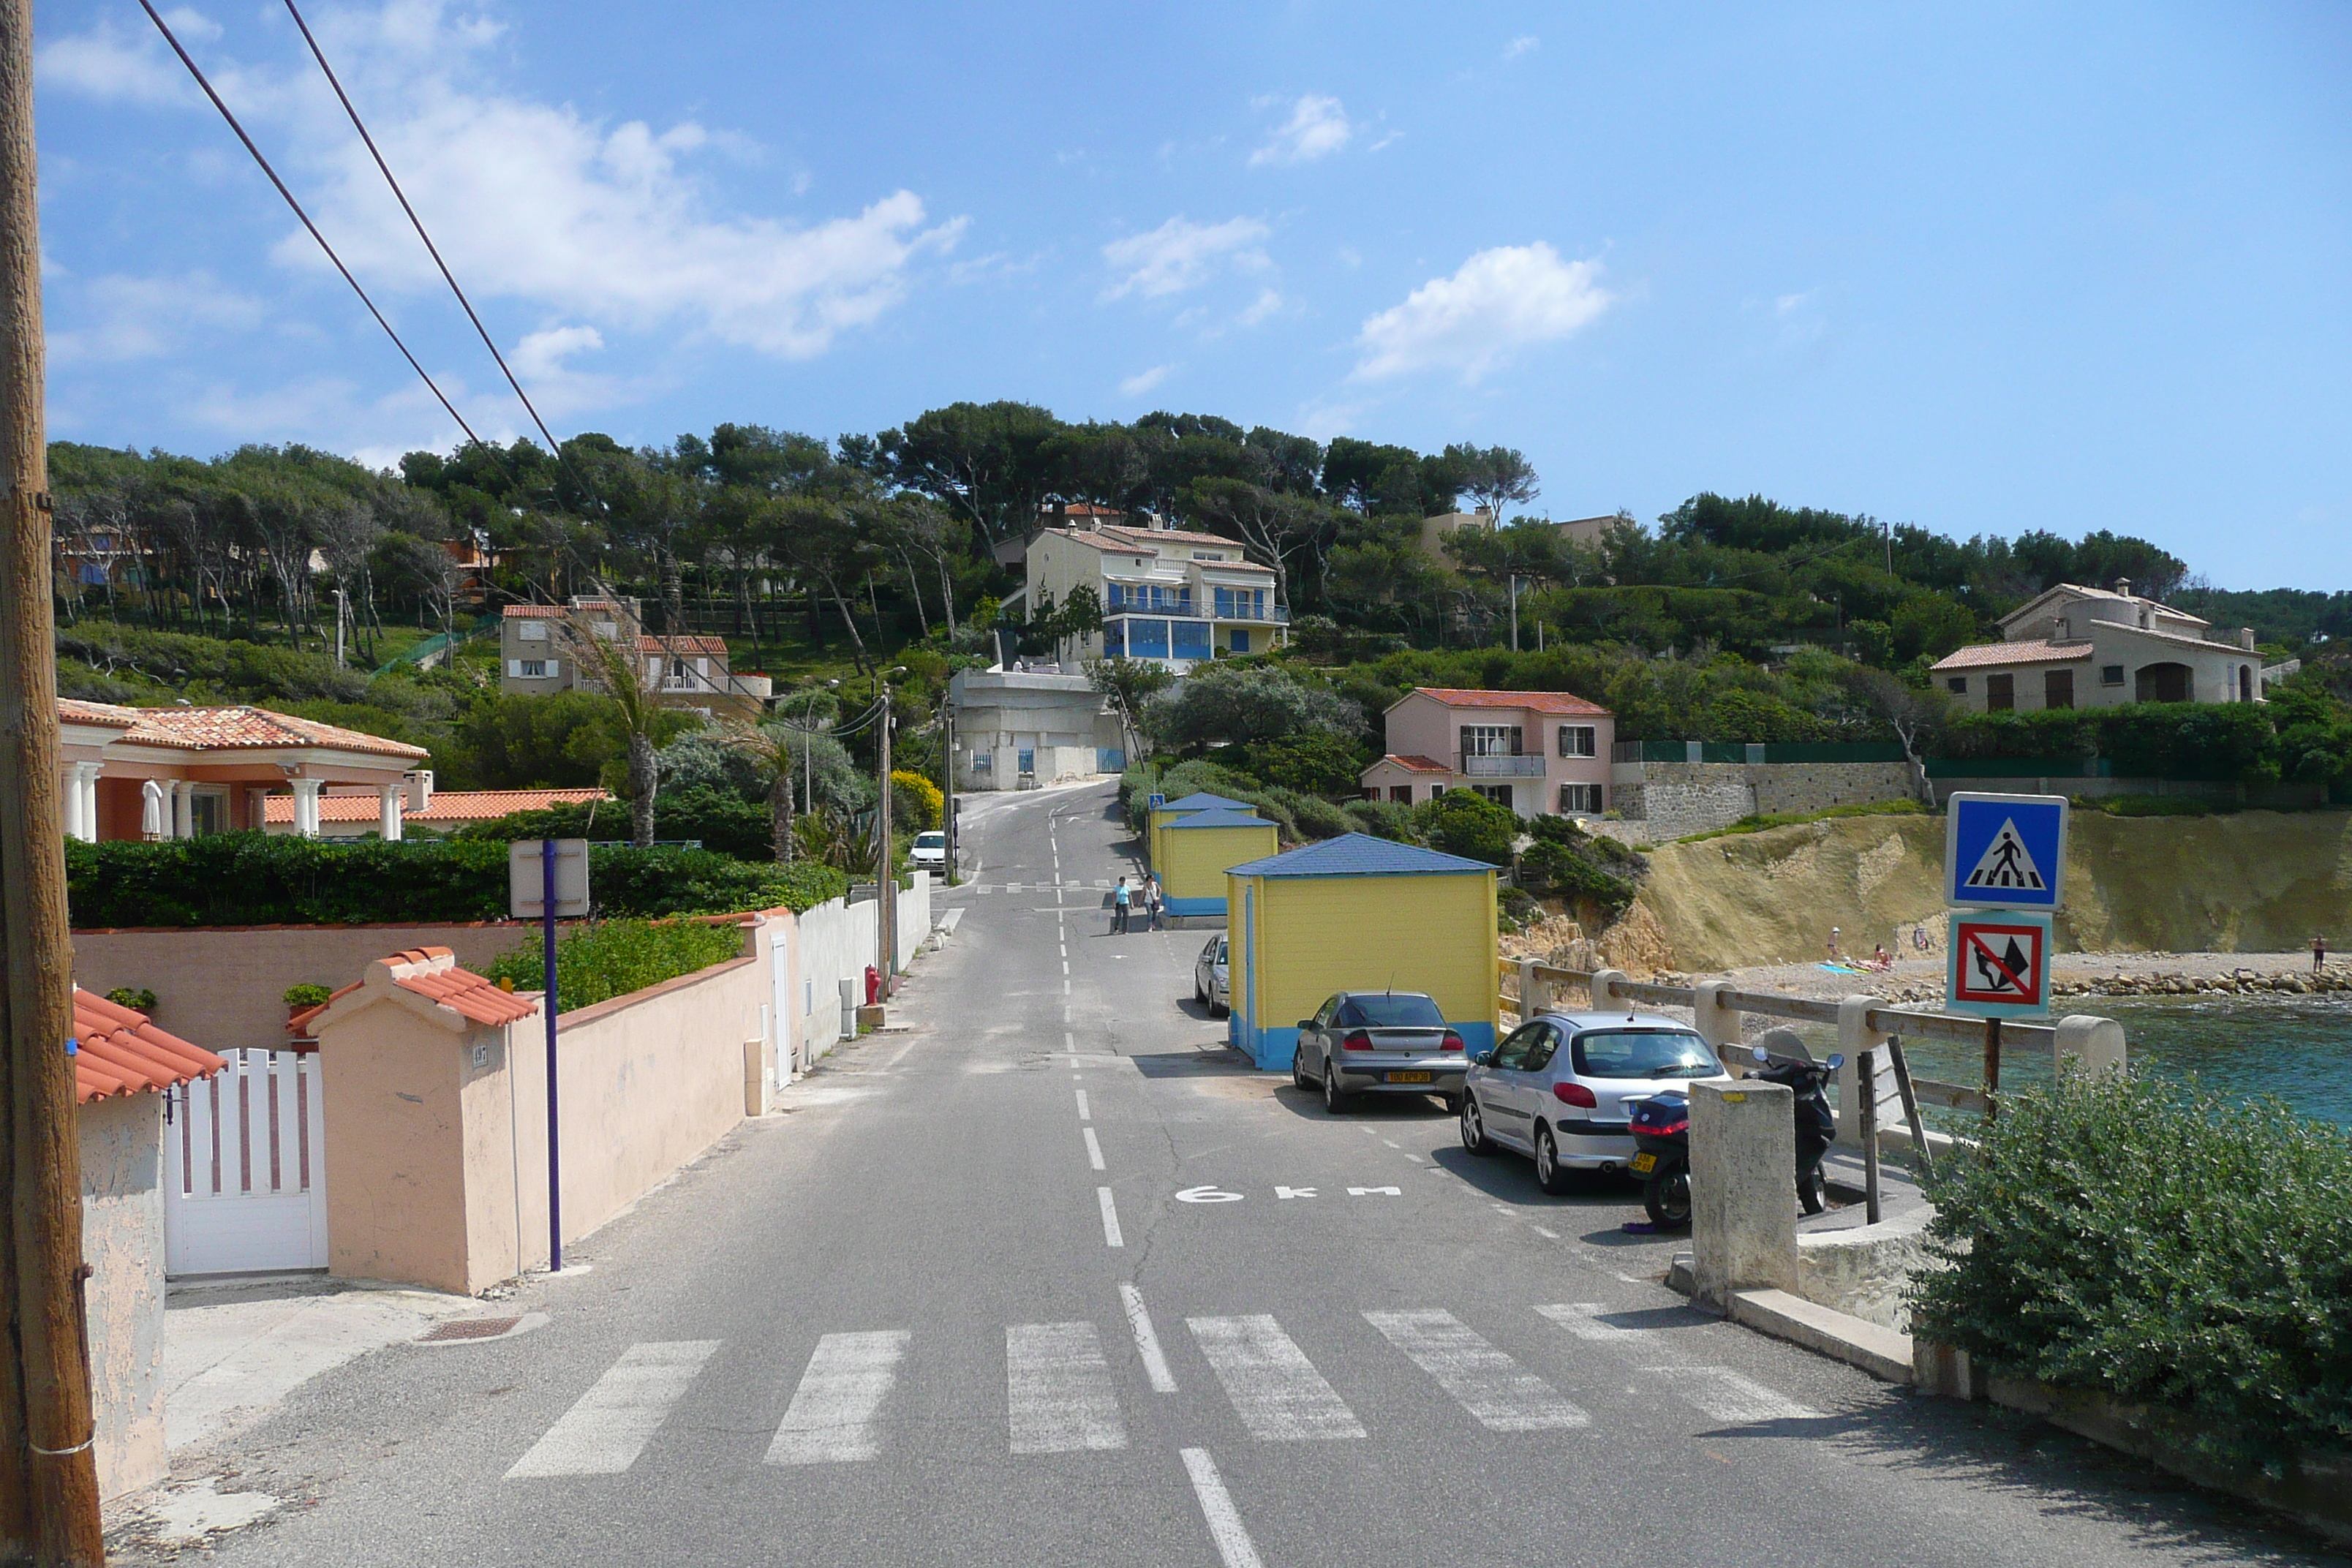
{"points": [[1662, 801]]}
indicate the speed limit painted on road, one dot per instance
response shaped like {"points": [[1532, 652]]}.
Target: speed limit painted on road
{"points": [[1207, 1196]]}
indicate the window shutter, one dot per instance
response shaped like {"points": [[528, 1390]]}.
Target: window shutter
{"points": [[514, 667]]}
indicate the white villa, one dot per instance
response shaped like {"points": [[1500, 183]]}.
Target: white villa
{"points": [[1175, 598], [2073, 647]]}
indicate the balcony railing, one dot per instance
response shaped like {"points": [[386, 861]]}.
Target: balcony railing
{"points": [[1474, 765]]}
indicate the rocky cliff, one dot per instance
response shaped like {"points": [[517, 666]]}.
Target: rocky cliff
{"points": [[2255, 882]]}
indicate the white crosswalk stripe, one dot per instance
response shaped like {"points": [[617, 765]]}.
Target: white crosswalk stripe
{"points": [[1725, 1395], [1583, 1319], [834, 1418], [1501, 1394], [604, 1433], [1058, 1390], [1274, 1388]]}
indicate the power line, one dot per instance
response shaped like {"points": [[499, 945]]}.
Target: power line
{"points": [[553, 446], [202, 83]]}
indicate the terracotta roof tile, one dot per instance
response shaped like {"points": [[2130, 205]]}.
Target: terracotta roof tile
{"points": [[682, 644], [1534, 701], [253, 729], [1103, 541], [1414, 763], [2028, 651], [1170, 536], [448, 805], [120, 1051], [72, 710]]}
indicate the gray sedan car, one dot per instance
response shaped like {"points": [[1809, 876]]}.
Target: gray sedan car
{"points": [[1211, 976], [1379, 1042]]}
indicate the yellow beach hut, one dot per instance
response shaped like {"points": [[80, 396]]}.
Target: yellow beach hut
{"points": [[1165, 812], [1358, 913], [1200, 847]]}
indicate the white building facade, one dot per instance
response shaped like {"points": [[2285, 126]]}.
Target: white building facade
{"points": [[1174, 598], [2072, 646]]}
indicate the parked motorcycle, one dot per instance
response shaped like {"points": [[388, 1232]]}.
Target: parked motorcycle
{"points": [[1661, 1129]]}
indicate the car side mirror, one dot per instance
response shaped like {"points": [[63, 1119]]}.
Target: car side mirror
{"points": [[1484, 1058], [1305, 1024], [1763, 1057], [1837, 1061]]}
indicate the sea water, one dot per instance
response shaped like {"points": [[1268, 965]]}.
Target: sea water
{"points": [[2293, 1048]]}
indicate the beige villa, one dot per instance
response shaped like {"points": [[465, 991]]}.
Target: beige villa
{"points": [[2072, 646], [1172, 597]]}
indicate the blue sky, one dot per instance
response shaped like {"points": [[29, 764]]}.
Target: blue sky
{"points": [[1980, 267]]}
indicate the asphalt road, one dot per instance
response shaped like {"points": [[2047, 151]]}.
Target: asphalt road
{"points": [[1050, 1278]]}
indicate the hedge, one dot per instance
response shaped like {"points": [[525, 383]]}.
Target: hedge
{"points": [[252, 878], [2222, 742], [2160, 1245], [605, 958]]}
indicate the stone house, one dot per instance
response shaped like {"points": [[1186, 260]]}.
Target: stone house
{"points": [[1542, 753], [2072, 646]]}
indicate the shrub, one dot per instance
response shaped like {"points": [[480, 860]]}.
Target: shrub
{"points": [[139, 999], [2159, 1244], [1462, 822], [250, 878], [1245, 703], [917, 800], [1381, 819], [604, 959], [1759, 822], [1313, 816], [306, 995], [725, 823], [1311, 763]]}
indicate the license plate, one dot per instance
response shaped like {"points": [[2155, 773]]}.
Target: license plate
{"points": [[1643, 1165], [1411, 1077]]}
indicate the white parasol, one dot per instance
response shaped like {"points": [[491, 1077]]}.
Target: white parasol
{"points": [[150, 811]]}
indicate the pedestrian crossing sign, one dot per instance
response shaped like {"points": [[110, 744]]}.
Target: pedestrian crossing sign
{"points": [[2005, 851], [1998, 964]]}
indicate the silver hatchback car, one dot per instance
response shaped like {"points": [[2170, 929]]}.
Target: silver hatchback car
{"points": [[1379, 1042], [1211, 976], [1558, 1088]]}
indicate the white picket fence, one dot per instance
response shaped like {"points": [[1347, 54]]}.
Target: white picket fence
{"points": [[244, 1186]]}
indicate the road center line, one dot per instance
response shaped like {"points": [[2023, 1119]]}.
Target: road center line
{"points": [[1147, 1341], [1093, 1148], [1233, 1546], [1086, 1111], [1112, 1236]]}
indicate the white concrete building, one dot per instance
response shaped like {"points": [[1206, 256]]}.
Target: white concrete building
{"points": [[1024, 729], [1175, 598], [687, 671], [2072, 646]]}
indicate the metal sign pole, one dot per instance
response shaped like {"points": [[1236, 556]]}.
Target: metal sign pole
{"points": [[547, 1005]]}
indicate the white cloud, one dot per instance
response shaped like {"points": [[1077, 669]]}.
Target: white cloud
{"points": [[1267, 303], [1498, 302], [1789, 304], [1180, 254], [119, 317], [533, 202], [1136, 386], [1526, 43], [104, 65], [1316, 127]]}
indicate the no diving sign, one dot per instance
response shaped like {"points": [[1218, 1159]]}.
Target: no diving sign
{"points": [[1999, 964]]}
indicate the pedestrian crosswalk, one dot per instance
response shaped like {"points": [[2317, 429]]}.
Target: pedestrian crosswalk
{"points": [[1061, 1395], [984, 889]]}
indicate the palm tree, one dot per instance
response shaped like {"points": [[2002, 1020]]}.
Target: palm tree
{"points": [[771, 748], [610, 666]]}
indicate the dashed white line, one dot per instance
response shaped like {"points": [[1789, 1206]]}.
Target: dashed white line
{"points": [[1147, 1342], [1112, 1236], [1086, 1111], [1233, 1546], [1094, 1149]]}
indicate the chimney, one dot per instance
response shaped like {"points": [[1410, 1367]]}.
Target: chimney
{"points": [[417, 784], [2122, 586]]}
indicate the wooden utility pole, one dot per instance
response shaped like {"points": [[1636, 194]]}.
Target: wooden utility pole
{"points": [[48, 1477]]}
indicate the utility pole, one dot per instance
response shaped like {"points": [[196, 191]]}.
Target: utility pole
{"points": [[886, 880], [947, 787], [48, 1477], [1515, 611], [343, 615]]}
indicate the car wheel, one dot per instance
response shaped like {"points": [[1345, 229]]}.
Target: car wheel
{"points": [[1335, 1099], [1199, 995], [1551, 1175], [1220, 1010], [1298, 1070], [1474, 1127]]}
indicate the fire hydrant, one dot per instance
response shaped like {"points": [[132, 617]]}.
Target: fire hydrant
{"points": [[873, 985]]}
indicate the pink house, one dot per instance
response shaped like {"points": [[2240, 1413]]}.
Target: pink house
{"points": [[1539, 752]]}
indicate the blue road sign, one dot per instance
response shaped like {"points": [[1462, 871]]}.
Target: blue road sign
{"points": [[2005, 851]]}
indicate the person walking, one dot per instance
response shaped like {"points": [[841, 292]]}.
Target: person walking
{"points": [[2318, 953], [1152, 901], [1118, 906]]}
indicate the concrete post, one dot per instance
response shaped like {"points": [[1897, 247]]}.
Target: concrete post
{"points": [[306, 807], [387, 814], [89, 797], [1604, 991], [1719, 1026], [1855, 1036], [850, 998], [755, 1077], [184, 809], [2095, 1045], [69, 781], [1743, 1189], [1533, 992]]}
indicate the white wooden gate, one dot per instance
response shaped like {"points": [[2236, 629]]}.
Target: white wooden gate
{"points": [[245, 1183]]}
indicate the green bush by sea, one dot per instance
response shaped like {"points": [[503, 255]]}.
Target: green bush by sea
{"points": [[604, 959]]}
